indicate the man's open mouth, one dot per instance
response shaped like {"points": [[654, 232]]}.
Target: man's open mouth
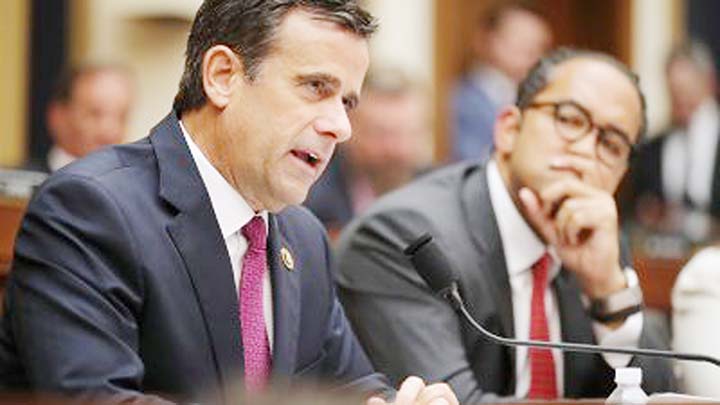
{"points": [[308, 157]]}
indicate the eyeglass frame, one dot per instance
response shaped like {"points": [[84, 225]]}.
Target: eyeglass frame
{"points": [[591, 128]]}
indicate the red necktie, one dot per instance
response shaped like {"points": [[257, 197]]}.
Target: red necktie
{"points": [[252, 319], [542, 366]]}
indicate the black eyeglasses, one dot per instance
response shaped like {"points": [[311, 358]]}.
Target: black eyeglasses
{"points": [[573, 121]]}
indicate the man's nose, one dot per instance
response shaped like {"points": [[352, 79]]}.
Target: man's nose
{"points": [[586, 144], [335, 122]]}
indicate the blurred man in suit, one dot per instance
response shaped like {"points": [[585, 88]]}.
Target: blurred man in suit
{"points": [[681, 167], [180, 264], [508, 40], [534, 235], [89, 110], [389, 146]]}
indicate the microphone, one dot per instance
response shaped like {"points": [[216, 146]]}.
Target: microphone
{"points": [[434, 267]]}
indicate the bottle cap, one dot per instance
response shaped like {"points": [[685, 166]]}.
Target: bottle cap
{"points": [[628, 375]]}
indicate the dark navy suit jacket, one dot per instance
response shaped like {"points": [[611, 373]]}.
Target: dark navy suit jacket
{"points": [[122, 285]]}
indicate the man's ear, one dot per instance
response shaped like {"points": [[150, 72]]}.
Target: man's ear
{"points": [[221, 68], [507, 129]]}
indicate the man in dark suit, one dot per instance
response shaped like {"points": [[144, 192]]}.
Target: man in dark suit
{"points": [[178, 265], [681, 166], [534, 236]]}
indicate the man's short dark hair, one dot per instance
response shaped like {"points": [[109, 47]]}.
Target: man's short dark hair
{"points": [[248, 27], [540, 76], [65, 83]]}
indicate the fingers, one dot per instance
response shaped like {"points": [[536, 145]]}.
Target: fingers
{"points": [[540, 221], [568, 211], [584, 169], [409, 390], [554, 195], [575, 221], [414, 392], [437, 394], [376, 401]]}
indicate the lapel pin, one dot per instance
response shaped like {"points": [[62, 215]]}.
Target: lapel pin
{"points": [[287, 258]]}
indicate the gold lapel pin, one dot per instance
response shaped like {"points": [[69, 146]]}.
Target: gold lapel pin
{"points": [[287, 258]]}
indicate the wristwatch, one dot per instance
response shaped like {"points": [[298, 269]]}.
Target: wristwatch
{"points": [[618, 306]]}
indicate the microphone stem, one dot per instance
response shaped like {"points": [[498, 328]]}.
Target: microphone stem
{"points": [[456, 301]]}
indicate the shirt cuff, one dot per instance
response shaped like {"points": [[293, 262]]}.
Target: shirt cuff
{"points": [[627, 335]]}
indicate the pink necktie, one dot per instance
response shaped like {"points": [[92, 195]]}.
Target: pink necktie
{"points": [[542, 366], [252, 319]]}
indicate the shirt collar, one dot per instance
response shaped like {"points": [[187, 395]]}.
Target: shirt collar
{"points": [[231, 210], [58, 158], [521, 246]]}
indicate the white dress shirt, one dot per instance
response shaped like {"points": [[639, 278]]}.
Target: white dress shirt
{"points": [[232, 213], [522, 248], [58, 158], [688, 157]]}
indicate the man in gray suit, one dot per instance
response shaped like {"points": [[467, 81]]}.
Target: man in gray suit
{"points": [[534, 235]]}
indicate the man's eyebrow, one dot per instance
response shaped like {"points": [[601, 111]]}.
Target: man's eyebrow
{"points": [[321, 77], [351, 99]]}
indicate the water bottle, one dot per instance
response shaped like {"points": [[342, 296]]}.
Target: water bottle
{"points": [[628, 389]]}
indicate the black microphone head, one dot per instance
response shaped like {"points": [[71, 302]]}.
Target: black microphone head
{"points": [[431, 263]]}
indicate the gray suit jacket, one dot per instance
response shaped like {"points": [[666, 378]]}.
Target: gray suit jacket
{"points": [[407, 330]]}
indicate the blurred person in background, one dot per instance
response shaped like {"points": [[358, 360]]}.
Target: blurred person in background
{"points": [[388, 148], [696, 321], [680, 167], [89, 109], [509, 39]]}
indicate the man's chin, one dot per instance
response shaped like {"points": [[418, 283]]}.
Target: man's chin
{"points": [[289, 196]]}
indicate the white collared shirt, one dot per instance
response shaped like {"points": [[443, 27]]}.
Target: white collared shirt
{"points": [[522, 248], [232, 213]]}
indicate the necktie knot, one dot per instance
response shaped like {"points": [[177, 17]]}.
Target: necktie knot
{"points": [[255, 233], [541, 268]]}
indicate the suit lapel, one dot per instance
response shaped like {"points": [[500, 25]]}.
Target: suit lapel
{"points": [[486, 236], [286, 301], [198, 240]]}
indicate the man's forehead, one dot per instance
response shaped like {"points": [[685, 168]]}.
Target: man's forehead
{"points": [[599, 86], [314, 43]]}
